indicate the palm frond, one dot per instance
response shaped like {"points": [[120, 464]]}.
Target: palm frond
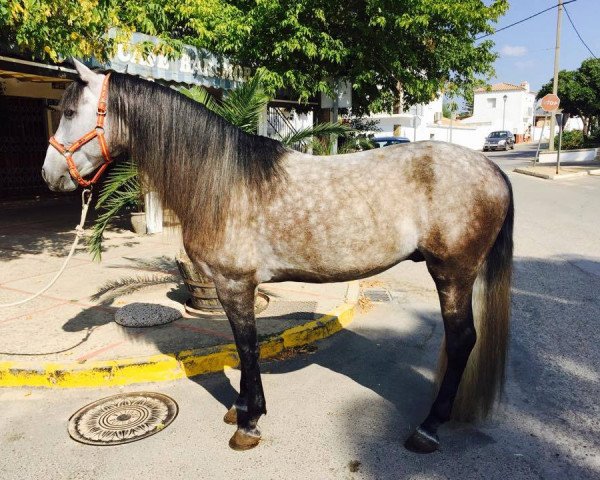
{"points": [[201, 95], [121, 188], [122, 175], [113, 289], [320, 129], [244, 105], [241, 107]]}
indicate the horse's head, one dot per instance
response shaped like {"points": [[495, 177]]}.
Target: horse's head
{"points": [[80, 107]]}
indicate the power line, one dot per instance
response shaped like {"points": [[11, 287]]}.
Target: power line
{"points": [[523, 20], [579, 35]]}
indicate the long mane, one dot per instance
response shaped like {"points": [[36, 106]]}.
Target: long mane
{"points": [[196, 161]]}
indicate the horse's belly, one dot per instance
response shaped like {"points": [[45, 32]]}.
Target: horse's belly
{"points": [[346, 248]]}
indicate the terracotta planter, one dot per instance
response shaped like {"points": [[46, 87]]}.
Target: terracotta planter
{"points": [[204, 300], [138, 222]]}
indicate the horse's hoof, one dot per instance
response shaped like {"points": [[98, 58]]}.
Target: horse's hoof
{"points": [[422, 442], [244, 441], [231, 416]]}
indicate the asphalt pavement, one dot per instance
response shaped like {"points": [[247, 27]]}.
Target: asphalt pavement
{"points": [[343, 411]]}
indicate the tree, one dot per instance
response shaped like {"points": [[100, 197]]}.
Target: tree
{"points": [[449, 106], [588, 75], [579, 92], [469, 102], [58, 29], [426, 46]]}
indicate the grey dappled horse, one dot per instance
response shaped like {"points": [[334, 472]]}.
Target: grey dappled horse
{"points": [[253, 211]]}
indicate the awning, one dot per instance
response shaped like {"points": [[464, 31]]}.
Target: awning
{"points": [[195, 66], [29, 70]]}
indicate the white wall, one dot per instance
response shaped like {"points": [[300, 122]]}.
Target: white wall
{"points": [[472, 137]]}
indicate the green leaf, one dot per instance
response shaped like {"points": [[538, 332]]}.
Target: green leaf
{"points": [[319, 129]]}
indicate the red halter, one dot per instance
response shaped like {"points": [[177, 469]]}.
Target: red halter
{"points": [[98, 132]]}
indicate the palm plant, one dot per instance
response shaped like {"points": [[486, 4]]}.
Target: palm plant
{"points": [[244, 106], [122, 189]]}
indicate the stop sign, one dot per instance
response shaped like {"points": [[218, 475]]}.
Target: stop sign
{"points": [[550, 102]]}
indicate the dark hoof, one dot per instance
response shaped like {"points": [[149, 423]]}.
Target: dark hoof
{"points": [[422, 442], [243, 441], [231, 416]]}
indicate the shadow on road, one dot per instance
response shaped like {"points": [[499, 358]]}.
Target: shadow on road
{"points": [[546, 426]]}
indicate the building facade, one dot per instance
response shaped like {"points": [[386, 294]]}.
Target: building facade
{"points": [[504, 106], [426, 122]]}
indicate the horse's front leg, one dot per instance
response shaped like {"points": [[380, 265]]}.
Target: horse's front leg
{"points": [[237, 297]]}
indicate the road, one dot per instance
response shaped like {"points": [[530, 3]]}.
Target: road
{"points": [[344, 411]]}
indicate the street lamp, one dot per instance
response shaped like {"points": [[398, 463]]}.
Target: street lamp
{"points": [[505, 97]]}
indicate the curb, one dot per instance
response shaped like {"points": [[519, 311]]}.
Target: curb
{"points": [[172, 366], [554, 176]]}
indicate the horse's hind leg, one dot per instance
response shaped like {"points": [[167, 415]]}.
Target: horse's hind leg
{"points": [[237, 298], [455, 299]]}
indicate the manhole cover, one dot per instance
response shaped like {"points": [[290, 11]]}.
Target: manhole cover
{"points": [[377, 295], [122, 418]]}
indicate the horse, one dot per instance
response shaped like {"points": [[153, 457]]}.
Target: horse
{"points": [[253, 211]]}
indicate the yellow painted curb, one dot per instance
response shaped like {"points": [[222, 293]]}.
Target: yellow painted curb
{"points": [[162, 367]]}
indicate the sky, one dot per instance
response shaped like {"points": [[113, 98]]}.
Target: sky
{"points": [[527, 50]]}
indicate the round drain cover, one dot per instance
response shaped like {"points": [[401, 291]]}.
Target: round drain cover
{"points": [[122, 418]]}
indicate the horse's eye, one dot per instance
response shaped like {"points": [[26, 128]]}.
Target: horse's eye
{"points": [[68, 113]]}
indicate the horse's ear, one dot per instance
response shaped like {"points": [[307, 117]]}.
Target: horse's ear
{"points": [[87, 75]]}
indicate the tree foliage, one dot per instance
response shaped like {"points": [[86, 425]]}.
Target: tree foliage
{"points": [[579, 92], [424, 46]]}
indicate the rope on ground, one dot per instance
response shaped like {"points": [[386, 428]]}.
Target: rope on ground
{"points": [[86, 198]]}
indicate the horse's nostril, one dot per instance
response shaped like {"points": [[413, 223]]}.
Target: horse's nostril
{"points": [[44, 174]]}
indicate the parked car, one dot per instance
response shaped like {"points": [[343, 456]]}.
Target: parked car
{"points": [[500, 140], [379, 142]]}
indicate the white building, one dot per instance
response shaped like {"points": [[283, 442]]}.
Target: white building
{"points": [[504, 106], [411, 123], [426, 122]]}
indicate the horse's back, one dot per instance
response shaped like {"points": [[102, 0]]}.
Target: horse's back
{"points": [[350, 215]]}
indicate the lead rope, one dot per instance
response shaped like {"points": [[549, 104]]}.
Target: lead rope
{"points": [[86, 198]]}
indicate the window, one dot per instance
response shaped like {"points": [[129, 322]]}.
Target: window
{"points": [[491, 102]]}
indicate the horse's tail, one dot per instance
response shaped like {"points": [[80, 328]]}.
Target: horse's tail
{"points": [[483, 378]]}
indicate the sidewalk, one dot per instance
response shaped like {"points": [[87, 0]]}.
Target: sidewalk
{"points": [[68, 337], [548, 172]]}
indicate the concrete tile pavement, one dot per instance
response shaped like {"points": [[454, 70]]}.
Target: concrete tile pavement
{"points": [[72, 323]]}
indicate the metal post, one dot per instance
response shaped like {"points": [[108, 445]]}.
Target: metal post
{"points": [[556, 65], [334, 117], [263, 122], [415, 125], [537, 154], [560, 130], [504, 113], [451, 125]]}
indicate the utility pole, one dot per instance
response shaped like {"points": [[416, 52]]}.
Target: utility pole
{"points": [[556, 62]]}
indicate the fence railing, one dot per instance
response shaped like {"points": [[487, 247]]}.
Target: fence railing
{"points": [[279, 127]]}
